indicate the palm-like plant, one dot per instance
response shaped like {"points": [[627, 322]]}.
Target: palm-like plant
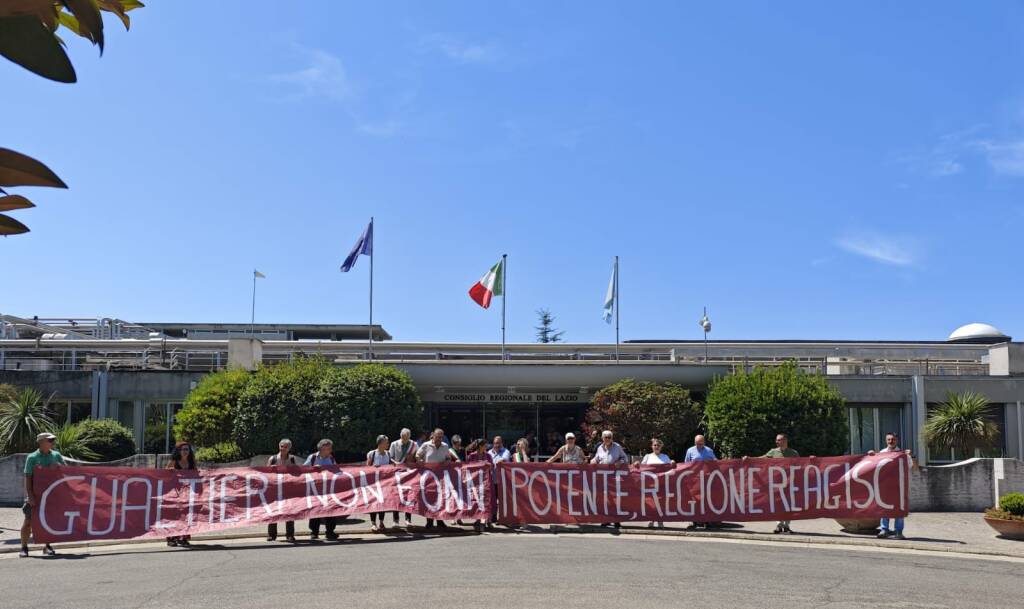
{"points": [[21, 419], [963, 423], [71, 443]]}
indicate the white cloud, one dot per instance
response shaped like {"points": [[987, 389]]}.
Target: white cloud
{"points": [[462, 52], [389, 128], [896, 251], [323, 76], [1005, 158]]}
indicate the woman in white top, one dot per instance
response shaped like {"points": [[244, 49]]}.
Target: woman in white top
{"points": [[568, 452], [379, 457], [656, 457]]}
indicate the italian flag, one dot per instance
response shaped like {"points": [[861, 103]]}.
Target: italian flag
{"points": [[490, 285]]}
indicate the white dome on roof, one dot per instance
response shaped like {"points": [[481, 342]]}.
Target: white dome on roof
{"points": [[977, 332]]}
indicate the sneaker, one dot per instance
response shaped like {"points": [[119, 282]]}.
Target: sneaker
{"points": [[185, 543], [882, 534], [395, 519], [650, 525], [374, 529], [661, 525], [441, 524], [23, 553], [332, 536], [408, 519], [172, 543], [271, 538], [789, 531], [290, 538], [430, 525], [313, 535], [617, 526], [382, 528], [899, 536], [478, 527], [48, 550], [692, 526], [778, 529]]}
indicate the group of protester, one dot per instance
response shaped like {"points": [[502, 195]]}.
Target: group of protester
{"points": [[435, 449]]}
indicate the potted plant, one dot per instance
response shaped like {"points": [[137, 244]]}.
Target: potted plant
{"points": [[1008, 518]]}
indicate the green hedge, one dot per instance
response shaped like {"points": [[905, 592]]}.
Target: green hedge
{"points": [[360, 402], [223, 452], [637, 411], [107, 438], [208, 413], [745, 410]]}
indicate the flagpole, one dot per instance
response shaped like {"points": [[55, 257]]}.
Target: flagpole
{"points": [[370, 338], [504, 291], [252, 320], [616, 309]]}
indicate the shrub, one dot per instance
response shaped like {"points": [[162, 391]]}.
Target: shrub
{"points": [[962, 422], [277, 403], [208, 414], [358, 403], [7, 393], [745, 411], [71, 443], [1012, 503], [22, 418], [107, 438], [639, 410], [222, 452]]}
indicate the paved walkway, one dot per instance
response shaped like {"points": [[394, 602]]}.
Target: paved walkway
{"points": [[936, 531]]}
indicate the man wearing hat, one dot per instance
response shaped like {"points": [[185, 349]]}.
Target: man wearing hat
{"points": [[45, 456]]}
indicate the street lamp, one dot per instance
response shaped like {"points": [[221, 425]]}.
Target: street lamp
{"points": [[705, 324]]}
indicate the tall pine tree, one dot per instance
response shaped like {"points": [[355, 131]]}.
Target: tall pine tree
{"points": [[546, 332]]}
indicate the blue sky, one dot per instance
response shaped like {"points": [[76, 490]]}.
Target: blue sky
{"points": [[806, 170]]}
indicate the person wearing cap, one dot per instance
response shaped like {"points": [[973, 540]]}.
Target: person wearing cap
{"points": [[44, 456], [568, 452]]}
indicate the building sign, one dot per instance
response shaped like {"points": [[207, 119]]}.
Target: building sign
{"points": [[515, 398]]}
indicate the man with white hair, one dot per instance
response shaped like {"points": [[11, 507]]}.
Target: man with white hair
{"points": [[434, 451], [402, 451], [324, 455], [699, 452], [609, 452]]}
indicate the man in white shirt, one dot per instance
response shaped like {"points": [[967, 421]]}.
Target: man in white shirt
{"points": [[609, 452], [498, 451], [892, 445], [434, 451], [403, 451]]}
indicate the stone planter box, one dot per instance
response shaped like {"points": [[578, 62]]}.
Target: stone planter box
{"points": [[858, 525], [1010, 529]]}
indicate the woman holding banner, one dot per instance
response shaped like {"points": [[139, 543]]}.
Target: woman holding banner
{"points": [[656, 457], [183, 458], [569, 452], [476, 452], [283, 457], [378, 457]]}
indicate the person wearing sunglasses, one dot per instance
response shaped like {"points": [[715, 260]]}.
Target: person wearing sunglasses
{"points": [[44, 456], [183, 458]]}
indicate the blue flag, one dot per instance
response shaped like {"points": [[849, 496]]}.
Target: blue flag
{"points": [[363, 246]]}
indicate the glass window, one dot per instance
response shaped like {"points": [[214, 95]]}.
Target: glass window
{"points": [[126, 414], [890, 420], [862, 430]]}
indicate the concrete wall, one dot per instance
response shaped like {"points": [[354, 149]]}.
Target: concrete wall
{"points": [[967, 486]]}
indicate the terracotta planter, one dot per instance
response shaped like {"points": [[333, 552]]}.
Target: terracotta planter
{"points": [[858, 525], [1010, 529]]}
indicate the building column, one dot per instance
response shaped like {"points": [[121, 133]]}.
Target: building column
{"points": [[919, 416]]}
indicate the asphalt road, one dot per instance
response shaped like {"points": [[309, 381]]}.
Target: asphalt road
{"points": [[506, 570]]}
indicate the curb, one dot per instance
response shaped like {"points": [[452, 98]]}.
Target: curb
{"points": [[563, 530]]}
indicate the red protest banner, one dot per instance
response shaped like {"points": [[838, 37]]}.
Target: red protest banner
{"points": [[857, 486], [84, 503]]}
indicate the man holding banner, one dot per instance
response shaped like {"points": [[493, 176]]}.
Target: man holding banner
{"points": [[782, 450], [44, 456]]}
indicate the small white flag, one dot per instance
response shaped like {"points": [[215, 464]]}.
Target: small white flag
{"points": [[258, 274], [609, 298]]}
